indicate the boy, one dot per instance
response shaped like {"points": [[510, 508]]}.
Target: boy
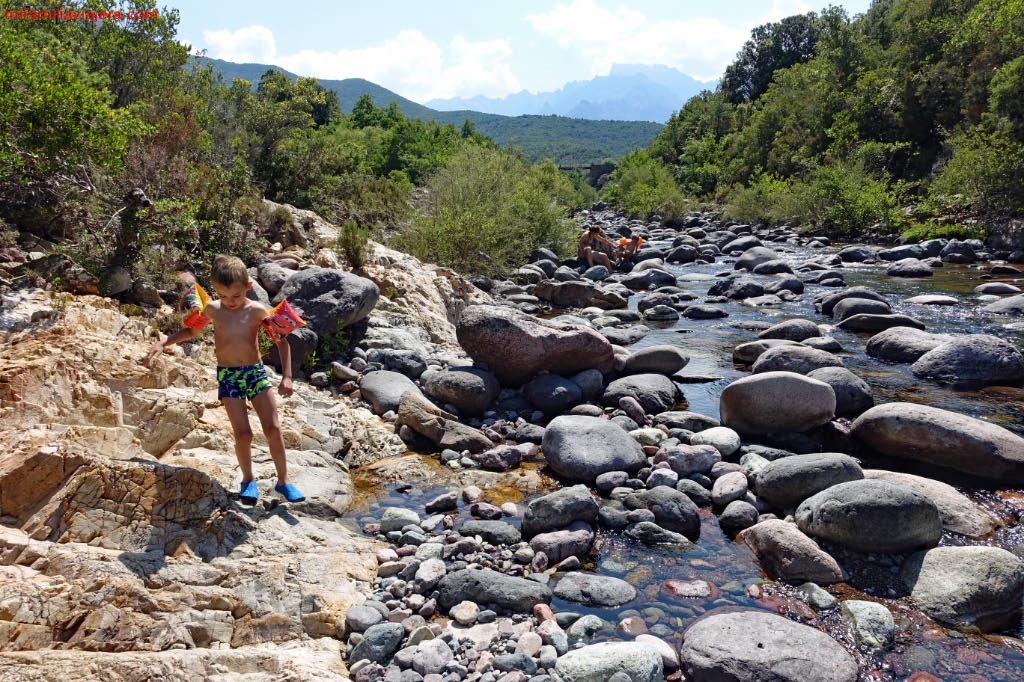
{"points": [[240, 373]]}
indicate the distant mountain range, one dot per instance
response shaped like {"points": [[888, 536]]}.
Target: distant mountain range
{"points": [[631, 92], [570, 141]]}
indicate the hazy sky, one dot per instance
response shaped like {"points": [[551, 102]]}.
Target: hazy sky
{"points": [[460, 48]]}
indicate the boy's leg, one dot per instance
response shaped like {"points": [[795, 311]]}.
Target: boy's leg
{"points": [[238, 415], [266, 410]]}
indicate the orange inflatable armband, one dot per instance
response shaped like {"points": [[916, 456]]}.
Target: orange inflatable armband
{"points": [[192, 304], [281, 320]]}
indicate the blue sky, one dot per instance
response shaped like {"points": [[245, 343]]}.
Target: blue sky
{"points": [[457, 48]]}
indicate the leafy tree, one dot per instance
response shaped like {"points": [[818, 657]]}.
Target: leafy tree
{"points": [[771, 47], [644, 186]]}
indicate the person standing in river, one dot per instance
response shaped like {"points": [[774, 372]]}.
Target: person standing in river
{"points": [[240, 373]]}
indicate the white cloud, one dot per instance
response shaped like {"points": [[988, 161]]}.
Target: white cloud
{"points": [[699, 47], [409, 64], [249, 44]]}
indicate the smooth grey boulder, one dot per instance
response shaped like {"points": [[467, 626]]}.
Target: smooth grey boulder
{"points": [[559, 509], [600, 662], [871, 516], [737, 515], [853, 395], [757, 646], [1012, 305], [849, 307], [909, 267], [775, 402], [683, 419], [972, 361], [969, 588], [649, 279], [329, 299], [959, 514], [379, 643], [748, 353], [594, 590], [857, 253], [736, 288], [470, 390], [864, 322], [872, 623], [829, 302], [943, 438], [651, 534], [384, 389], [662, 359], [785, 483], [793, 330], [492, 531], [552, 394], [672, 509], [272, 275], [485, 586], [685, 460], [578, 294], [996, 288], [787, 554], [904, 344], [517, 346], [773, 267], [581, 448], [754, 256], [975, 589], [655, 392], [575, 540], [799, 359]]}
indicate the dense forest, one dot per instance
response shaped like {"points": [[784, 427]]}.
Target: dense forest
{"points": [[906, 120], [570, 142]]}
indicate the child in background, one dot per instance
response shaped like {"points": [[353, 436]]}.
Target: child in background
{"points": [[240, 372]]}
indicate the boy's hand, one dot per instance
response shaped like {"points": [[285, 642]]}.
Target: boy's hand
{"points": [[285, 389]]}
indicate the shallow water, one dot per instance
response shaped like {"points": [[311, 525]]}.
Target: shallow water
{"points": [[921, 644]]}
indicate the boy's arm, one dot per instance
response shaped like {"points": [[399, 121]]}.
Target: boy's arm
{"points": [[284, 352], [177, 337]]}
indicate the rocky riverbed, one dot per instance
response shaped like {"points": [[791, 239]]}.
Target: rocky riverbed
{"points": [[754, 455]]}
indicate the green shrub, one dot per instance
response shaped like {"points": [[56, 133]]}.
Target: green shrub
{"points": [[353, 244], [487, 210], [932, 230], [984, 174], [644, 186]]}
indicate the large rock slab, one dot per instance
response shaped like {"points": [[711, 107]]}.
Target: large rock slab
{"points": [[969, 588], [775, 402], [599, 662], [787, 554], [959, 514], [578, 294], [582, 448], [517, 346], [756, 646], [871, 516], [788, 481], [943, 438], [329, 299], [485, 586], [973, 361]]}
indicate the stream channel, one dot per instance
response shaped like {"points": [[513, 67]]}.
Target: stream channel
{"points": [[921, 645]]}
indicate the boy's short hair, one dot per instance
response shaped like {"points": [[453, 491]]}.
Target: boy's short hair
{"points": [[229, 270]]}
